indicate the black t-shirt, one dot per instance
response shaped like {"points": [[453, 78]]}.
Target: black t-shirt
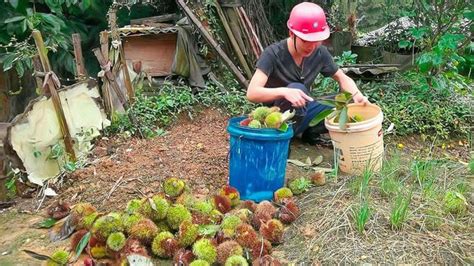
{"points": [[276, 62]]}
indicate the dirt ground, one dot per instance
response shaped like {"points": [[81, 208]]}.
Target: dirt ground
{"points": [[121, 169]]}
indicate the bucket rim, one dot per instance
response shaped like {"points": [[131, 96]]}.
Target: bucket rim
{"points": [[358, 126]]}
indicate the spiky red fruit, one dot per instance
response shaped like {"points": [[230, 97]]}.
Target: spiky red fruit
{"points": [[201, 218], [264, 212], [248, 204], [261, 248], [59, 210], [183, 257], [319, 178], [266, 260], [245, 235], [289, 212], [227, 249], [222, 203], [134, 246], [232, 193], [272, 231]]}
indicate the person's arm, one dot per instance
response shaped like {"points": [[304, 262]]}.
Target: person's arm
{"points": [[348, 84], [257, 92]]}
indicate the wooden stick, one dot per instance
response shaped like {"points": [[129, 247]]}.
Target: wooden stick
{"points": [[242, 10], [113, 83], [250, 40], [104, 47], [155, 19], [43, 54], [233, 41], [42, 51], [38, 67], [80, 67], [126, 75], [240, 78]]}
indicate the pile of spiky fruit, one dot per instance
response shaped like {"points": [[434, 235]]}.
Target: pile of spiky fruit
{"points": [[268, 117], [172, 224]]}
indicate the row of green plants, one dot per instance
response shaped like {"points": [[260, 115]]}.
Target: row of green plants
{"points": [[439, 186]]}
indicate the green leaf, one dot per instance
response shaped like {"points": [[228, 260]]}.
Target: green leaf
{"points": [[8, 61], [328, 102], [48, 223], [70, 166], [404, 44], [14, 19], [320, 117], [81, 245], [469, 14], [283, 127], [86, 4], [19, 69], [14, 3], [208, 229], [37, 255], [343, 118], [36, 154]]}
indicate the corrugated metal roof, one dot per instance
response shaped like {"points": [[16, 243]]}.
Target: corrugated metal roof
{"points": [[146, 30]]}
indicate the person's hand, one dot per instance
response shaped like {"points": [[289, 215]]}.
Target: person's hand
{"points": [[360, 98], [296, 97]]}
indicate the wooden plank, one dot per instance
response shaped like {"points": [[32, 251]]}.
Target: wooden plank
{"points": [[154, 19], [38, 67], [81, 71], [249, 24], [240, 78]]}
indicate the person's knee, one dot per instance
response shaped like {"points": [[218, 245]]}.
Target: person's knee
{"points": [[299, 86]]}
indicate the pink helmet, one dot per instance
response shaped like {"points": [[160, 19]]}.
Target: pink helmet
{"points": [[308, 21]]}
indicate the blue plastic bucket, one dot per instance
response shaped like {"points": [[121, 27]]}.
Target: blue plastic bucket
{"points": [[257, 159]]}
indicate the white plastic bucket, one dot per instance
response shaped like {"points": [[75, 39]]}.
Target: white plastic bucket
{"points": [[359, 145]]}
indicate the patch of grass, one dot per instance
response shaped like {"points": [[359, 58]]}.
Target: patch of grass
{"points": [[361, 215], [399, 212], [433, 218]]}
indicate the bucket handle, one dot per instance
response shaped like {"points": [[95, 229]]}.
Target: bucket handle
{"points": [[233, 147]]}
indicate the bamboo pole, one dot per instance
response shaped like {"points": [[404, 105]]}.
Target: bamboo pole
{"points": [[104, 47], [43, 54], [249, 37], [233, 41], [240, 78], [80, 67], [242, 10], [109, 75]]}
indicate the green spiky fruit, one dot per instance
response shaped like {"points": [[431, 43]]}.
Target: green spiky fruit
{"points": [[236, 260], [229, 224], [133, 206], [144, 230], [260, 113], [299, 185], [255, 124], [155, 208], [216, 216], [203, 206], [164, 245], [129, 219], [199, 263], [106, 225], [79, 212], [163, 226], [187, 233], [116, 241], [228, 249], [282, 193], [176, 215], [455, 203], [204, 249], [173, 186], [245, 215], [87, 221], [273, 120], [59, 257]]}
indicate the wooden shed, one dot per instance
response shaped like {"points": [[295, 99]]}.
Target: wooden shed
{"points": [[152, 47]]}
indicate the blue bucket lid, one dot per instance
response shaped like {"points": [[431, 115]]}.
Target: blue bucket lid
{"points": [[235, 129]]}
